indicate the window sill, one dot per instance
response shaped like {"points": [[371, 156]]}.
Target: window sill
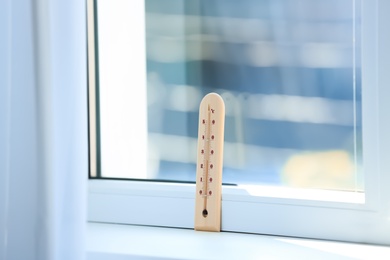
{"points": [[120, 242]]}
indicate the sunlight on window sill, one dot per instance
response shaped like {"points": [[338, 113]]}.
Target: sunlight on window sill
{"points": [[114, 242], [257, 191]]}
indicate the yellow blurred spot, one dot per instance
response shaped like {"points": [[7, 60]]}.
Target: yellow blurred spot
{"points": [[322, 170]]}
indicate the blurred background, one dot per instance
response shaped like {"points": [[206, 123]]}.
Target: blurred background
{"points": [[289, 73]]}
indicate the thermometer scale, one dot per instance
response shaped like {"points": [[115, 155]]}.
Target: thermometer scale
{"points": [[209, 163]]}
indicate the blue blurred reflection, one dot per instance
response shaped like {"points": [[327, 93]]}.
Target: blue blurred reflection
{"points": [[289, 72]]}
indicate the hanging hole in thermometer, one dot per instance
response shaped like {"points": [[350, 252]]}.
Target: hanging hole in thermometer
{"points": [[209, 163]]}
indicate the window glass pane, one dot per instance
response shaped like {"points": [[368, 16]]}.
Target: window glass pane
{"points": [[288, 71]]}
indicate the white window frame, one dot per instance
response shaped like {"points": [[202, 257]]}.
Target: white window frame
{"points": [[335, 215]]}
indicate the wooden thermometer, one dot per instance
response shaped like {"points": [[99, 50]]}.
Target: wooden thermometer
{"points": [[209, 164]]}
